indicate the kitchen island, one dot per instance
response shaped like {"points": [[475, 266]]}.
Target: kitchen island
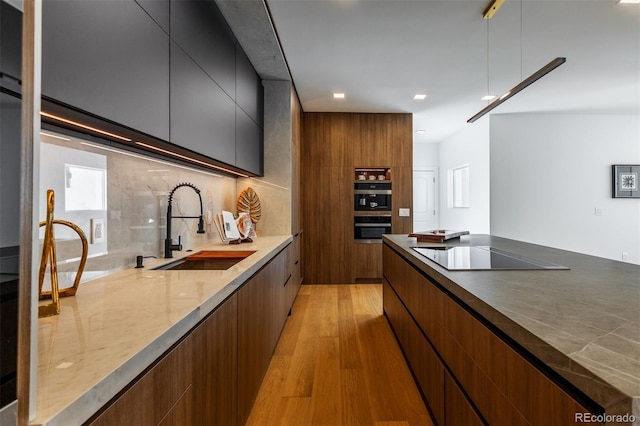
{"points": [[108, 336], [518, 346]]}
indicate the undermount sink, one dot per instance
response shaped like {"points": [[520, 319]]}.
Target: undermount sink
{"points": [[208, 260]]}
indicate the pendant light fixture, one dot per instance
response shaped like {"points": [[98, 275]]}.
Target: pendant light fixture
{"points": [[520, 86], [555, 63]]}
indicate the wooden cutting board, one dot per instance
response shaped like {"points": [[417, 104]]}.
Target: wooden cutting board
{"points": [[437, 236]]}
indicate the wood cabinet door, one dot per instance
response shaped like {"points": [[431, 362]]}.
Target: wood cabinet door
{"points": [[215, 345], [262, 311], [202, 115], [458, 410], [423, 361], [108, 58], [160, 396]]}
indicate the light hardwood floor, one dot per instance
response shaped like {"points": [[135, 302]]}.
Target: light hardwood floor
{"points": [[338, 363]]}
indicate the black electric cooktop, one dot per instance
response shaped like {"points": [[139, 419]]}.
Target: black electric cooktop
{"points": [[481, 258]]}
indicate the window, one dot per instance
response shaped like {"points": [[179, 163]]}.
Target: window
{"points": [[458, 187], [85, 188]]}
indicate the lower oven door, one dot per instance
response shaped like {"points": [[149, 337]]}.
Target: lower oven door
{"points": [[369, 229]]}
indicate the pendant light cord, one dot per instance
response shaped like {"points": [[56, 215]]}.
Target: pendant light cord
{"points": [[521, 40], [488, 91]]}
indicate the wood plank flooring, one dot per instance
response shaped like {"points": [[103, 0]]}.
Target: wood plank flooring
{"points": [[338, 363]]}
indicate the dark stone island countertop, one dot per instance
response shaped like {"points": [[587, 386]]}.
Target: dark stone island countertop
{"points": [[583, 323]]}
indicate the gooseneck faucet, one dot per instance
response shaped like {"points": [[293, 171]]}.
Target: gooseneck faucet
{"points": [[169, 247]]}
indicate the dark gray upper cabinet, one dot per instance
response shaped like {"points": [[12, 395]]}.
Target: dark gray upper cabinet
{"points": [[10, 40], [202, 115], [158, 10], [249, 145], [199, 28], [107, 58], [249, 91]]}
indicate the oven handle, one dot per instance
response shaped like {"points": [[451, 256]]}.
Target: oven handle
{"points": [[372, 225]]}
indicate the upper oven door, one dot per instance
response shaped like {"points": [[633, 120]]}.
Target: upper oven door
{"points": [[372, 202], [372, 196]]}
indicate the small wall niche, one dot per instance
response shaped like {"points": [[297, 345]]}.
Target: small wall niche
{"points": [[372, 173]]}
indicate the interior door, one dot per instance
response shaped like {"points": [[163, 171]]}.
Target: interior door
{"points": [[425, 214]]}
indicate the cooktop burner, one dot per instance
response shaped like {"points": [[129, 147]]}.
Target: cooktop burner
{"points": [[479, 258]]}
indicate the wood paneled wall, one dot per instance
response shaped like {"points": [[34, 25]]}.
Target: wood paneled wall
{"points": [[334, 144]]}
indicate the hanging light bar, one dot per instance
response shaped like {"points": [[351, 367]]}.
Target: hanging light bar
{"points": [[524, 83]]}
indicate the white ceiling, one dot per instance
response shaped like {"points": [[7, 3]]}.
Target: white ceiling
{"points": [[382, 52]]}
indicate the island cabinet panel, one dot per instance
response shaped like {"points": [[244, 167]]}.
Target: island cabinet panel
{"points": [[202, 114], [200, 30], [249, 144], [108, 58], [262, 312], [458, 409], [486, 379], [427, 368], [160, 396]]}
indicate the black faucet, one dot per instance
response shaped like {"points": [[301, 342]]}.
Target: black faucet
{"points": [[169, 247]]}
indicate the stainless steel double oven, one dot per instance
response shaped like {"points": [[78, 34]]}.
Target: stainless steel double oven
{"points": [[369, 197]]}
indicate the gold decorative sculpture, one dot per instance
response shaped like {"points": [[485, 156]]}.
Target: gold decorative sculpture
{"points": [[249, 202], [49, 256]]}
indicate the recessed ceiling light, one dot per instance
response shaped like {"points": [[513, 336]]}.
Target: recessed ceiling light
{"points": [[421, 131], [488, 97], [629, 1], [338, 96], [419, 96]]}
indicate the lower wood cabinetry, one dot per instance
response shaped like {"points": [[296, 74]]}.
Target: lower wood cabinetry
{"points": [[215, 366], [427, 368], [458, 409], [211, 377], [467, 374], [263, 305], [161, 396]]}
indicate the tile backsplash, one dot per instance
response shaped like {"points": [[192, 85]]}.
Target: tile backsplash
{"points": [[123, 197]]}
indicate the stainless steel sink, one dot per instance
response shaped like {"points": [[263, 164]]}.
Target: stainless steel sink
{"points": [[208, 260]]}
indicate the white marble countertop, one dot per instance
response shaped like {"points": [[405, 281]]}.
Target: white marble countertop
{"points": [[118, 325]]}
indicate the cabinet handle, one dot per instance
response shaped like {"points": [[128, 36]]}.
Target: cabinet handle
{"points": [[297, 261]]}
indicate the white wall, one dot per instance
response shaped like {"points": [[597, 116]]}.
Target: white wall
{"points": [[426, 155], [469, 146], [550, 172]]}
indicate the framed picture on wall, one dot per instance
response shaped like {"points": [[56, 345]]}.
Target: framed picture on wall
{"points": [[625, 180]]}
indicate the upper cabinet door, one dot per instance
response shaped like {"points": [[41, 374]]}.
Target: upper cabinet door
{"points": [[108, 58], [199, 28], [158, 10], [202, 115], [249, 145], [11, 41], [249, 91]]}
